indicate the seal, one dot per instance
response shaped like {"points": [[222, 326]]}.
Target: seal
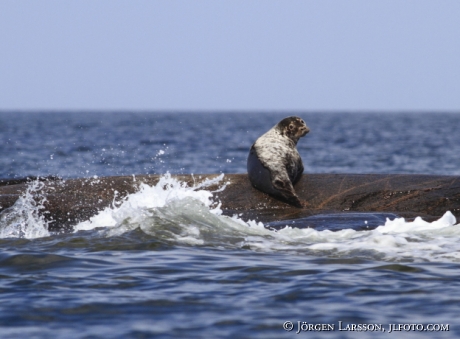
{"points": [[274, 164]]}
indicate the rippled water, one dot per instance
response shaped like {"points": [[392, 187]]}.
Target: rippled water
{"points": [[167, 264], [86, 144]]}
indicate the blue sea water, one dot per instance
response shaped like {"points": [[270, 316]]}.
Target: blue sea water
{"points": [[129, 276]]}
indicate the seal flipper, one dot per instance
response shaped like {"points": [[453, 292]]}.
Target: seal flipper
{"points": [[299, 173], [285, 191]]}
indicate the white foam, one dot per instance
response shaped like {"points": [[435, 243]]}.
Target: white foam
{"points": [[396, 240], [174, 212], [139, 205], [24, 219]]}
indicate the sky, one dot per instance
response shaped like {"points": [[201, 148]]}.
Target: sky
{"points": [[324, 55]]}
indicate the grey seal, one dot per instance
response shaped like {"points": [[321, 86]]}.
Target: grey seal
{"points": [[274, 164]]}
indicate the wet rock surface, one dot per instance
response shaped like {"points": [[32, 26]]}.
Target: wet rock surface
{"points": [[71, 201]]}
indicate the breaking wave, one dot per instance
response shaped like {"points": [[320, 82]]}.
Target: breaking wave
{"points": [[179, 214], [25, 218]]}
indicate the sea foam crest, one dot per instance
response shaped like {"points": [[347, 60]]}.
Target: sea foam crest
{"points": [[25, 218], [397, 240], [174, 212], [138, 205]]}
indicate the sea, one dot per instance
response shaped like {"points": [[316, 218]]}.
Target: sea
{"points": [[167, 263]]}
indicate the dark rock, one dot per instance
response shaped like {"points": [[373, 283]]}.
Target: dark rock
{"points": [[71, 201]]}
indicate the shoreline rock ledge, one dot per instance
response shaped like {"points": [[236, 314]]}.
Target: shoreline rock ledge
{"points": [[407, 195]]}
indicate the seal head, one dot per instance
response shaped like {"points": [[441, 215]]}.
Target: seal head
{"points": [[274, 164]]}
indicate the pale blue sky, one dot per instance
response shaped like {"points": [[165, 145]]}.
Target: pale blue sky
{"points": [[230, 55]]}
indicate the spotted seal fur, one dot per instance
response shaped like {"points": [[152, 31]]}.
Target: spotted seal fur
{"points": [[274, 164]]}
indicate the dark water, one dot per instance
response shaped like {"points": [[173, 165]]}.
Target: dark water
{"points": [[180, 270]]}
